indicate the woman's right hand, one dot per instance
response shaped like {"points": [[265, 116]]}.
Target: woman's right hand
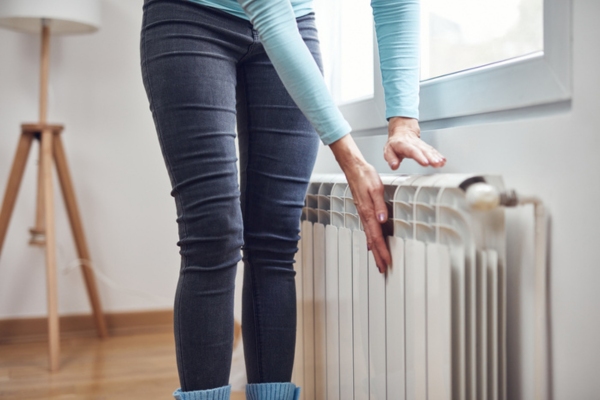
{"points": [[367, 193]]}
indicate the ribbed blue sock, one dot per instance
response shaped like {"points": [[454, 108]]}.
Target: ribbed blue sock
{"points": [[272, 391], [221, 393]]}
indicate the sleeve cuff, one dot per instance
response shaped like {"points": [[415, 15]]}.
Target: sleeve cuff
{"points": [[401, 112], [334, 136]]}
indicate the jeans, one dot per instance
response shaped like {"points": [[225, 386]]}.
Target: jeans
{"points": [[206, 72]]}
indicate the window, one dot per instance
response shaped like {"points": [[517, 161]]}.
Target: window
{"points": [[463, 34], [478, 57]]}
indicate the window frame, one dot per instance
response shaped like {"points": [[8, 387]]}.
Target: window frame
{"points": [[542, 78]]}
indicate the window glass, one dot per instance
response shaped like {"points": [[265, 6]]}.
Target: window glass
{"points": [[461, 34], [346, 36]]}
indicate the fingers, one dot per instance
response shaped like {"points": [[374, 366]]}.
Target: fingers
{"points": [[381, 212], [383, 259], [377, 244], [390, 156], [416, 149], [436, 159], [373, 212], [419, 156], [406, 149], [373, 229]]}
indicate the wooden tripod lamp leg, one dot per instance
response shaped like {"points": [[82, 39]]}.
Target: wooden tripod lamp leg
{"points": [[51, 278], [76, 226], [37, 232], [14, 182]]}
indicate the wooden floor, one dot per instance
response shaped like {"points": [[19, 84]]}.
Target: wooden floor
{"points": [[122, 367]]}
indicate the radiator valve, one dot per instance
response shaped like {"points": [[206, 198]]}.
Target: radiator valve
{"points": [[484, 197]]}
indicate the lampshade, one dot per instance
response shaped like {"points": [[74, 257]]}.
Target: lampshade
{"points": [[63, 16]]}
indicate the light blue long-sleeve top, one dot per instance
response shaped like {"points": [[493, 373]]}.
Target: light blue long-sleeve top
{"points": [[397, 30]]}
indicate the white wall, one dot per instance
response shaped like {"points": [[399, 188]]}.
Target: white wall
{"points": [[129, 217], [120, 180], [557, 158]]}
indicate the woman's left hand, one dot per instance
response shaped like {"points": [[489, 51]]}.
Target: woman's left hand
{"points": [[404, 141]]}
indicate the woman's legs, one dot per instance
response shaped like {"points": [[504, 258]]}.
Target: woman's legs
{"points": [[192, 60], [189, 56], [278, 147]]}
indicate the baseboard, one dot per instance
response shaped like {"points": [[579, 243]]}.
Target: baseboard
{"points": [[122, 323]]}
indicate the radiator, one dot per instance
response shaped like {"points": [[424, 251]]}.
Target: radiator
{"points": [[433, 327]]}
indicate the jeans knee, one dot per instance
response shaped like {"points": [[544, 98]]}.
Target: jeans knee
{"points": [[278, 254], [210, 236]]}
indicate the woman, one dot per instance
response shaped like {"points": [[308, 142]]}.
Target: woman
{"points": [[209, 65]]}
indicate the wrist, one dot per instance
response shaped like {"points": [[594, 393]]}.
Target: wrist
{"points": [[402, 126], [347, 153]]}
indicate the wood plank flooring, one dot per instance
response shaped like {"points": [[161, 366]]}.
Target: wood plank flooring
{"points": [[122, 367]]}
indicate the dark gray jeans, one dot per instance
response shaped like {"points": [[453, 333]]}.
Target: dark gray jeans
{"points": [[206, 72]]}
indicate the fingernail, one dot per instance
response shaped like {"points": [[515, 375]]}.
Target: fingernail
{"points": [[381, 217], [368, 247]]}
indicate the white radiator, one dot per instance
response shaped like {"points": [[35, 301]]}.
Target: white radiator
{"points": [[434, 328]]}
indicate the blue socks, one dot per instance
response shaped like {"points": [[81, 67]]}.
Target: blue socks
{"points": [[221, 393], [254, 391], [272, 391]]}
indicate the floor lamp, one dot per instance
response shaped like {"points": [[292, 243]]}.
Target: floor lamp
{"points": [[44, 17]]}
